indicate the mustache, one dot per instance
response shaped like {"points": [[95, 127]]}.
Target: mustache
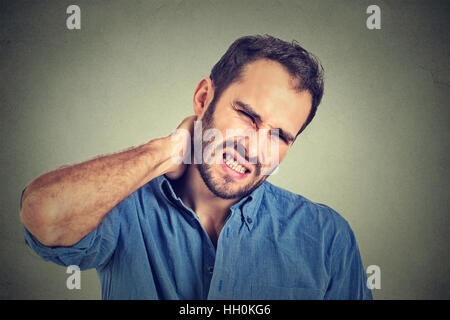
{"points": [[241, 150]]}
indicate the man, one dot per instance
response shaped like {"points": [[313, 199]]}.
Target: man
{"points": [[155, 228]]}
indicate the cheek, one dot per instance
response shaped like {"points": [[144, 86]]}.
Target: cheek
{"points": [[282, 153]]}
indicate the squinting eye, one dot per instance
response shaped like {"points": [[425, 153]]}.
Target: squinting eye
{"points": [[275, 133], [247, 115]]}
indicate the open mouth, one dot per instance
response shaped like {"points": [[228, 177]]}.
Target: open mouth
{"points": [[231, 162]]}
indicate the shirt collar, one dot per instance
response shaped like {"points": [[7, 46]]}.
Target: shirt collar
{"points": [[248, 205], [166, 188]]}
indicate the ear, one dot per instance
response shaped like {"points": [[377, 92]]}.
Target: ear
{"points": [[203, 96]]}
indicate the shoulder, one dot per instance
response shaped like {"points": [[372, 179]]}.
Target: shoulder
{"points": [[149, 192], [140, 202], [316, 217]]}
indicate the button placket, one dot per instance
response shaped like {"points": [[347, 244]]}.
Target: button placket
{"points": [[221, 262]]}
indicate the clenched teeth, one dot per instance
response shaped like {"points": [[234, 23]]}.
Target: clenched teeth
{"points": [[235, 166]]}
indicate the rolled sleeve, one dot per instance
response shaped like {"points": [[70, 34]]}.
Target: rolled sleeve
{"points": [[81, 254]]}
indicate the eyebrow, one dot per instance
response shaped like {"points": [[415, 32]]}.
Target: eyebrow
{"points": [[251, 112]]}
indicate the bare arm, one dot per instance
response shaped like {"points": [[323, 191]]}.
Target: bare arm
{"points": [[60, 207]]}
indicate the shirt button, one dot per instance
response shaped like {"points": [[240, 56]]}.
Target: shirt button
{"points": [[210, 269], [249, 220]]}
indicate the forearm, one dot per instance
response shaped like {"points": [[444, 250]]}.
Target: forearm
{"points": [[61, 207]]}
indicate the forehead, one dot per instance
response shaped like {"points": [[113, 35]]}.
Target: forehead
{"points": [[269, 89]]}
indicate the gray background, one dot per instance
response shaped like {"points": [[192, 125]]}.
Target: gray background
{"points": [[377, 151]]}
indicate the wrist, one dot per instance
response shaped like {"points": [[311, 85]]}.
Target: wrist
{"points": [[159, 156]]}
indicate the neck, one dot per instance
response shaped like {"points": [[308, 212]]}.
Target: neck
{"points": [[212, 211]]}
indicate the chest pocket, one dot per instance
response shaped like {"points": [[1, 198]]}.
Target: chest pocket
{"points": [[283, 293]]}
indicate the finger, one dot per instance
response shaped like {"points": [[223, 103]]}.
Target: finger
{"points": [[187, 123]]}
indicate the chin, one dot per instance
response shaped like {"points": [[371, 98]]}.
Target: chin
{"points": [[225, 186]]}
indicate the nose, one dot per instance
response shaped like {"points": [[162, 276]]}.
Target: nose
{"points": [[249, 147], [267, 148], [257, 147]]}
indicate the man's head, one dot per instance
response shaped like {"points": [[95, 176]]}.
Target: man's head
{"points": [[261, 84]]}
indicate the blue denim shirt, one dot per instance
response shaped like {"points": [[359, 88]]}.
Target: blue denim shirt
{"points": [[274, 245]]}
